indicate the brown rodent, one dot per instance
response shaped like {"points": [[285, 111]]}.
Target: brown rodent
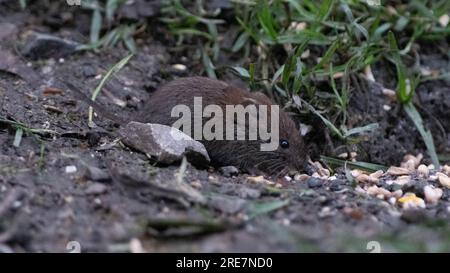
{"points": [[246, 154]]}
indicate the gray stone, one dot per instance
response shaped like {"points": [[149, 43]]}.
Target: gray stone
{"points": [[166, 144], [96, 174], [7, 32], [314, 182], [96, 188], [44, 46]]}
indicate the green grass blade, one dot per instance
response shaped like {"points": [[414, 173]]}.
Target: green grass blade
{"points": [[18, 137], [23, 4], [242, 72], [209, 66], [96, 26], [358, 130], [335, 162], [427, 137], [117, 67]]}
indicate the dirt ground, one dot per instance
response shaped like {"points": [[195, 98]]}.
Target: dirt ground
{"points": [[81, 185]]}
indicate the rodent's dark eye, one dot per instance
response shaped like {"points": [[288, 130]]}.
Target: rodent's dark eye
{"points": [[284, 143]]}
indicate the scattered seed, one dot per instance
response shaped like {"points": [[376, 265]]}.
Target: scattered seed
{"points": [[446, 170], [301, 177], [443, 179], [402, 180], [375, 191], [391, 94], [411, 201], [423, 171], [355, 173], [196, 184], [376, 175], [410, 165], [398, 171], [260, 179], [213, 179], [411, 162], [432, 194], [52, 109], [179, 67], [363, 178]]}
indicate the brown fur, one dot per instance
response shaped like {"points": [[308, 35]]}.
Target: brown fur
{"points": [[243, 154]]}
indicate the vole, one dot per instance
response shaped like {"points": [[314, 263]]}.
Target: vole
{"points": [[290, 155]]}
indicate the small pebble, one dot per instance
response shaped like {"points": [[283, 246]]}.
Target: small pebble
{"points": [[96, 188], [96, 174], [286, 222], [71, 169], [16, 204], [376, 175], [179, 67], [229, 171], [196, 184], [336, 185], [314, 182], [402, 180], [444, 20]]}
